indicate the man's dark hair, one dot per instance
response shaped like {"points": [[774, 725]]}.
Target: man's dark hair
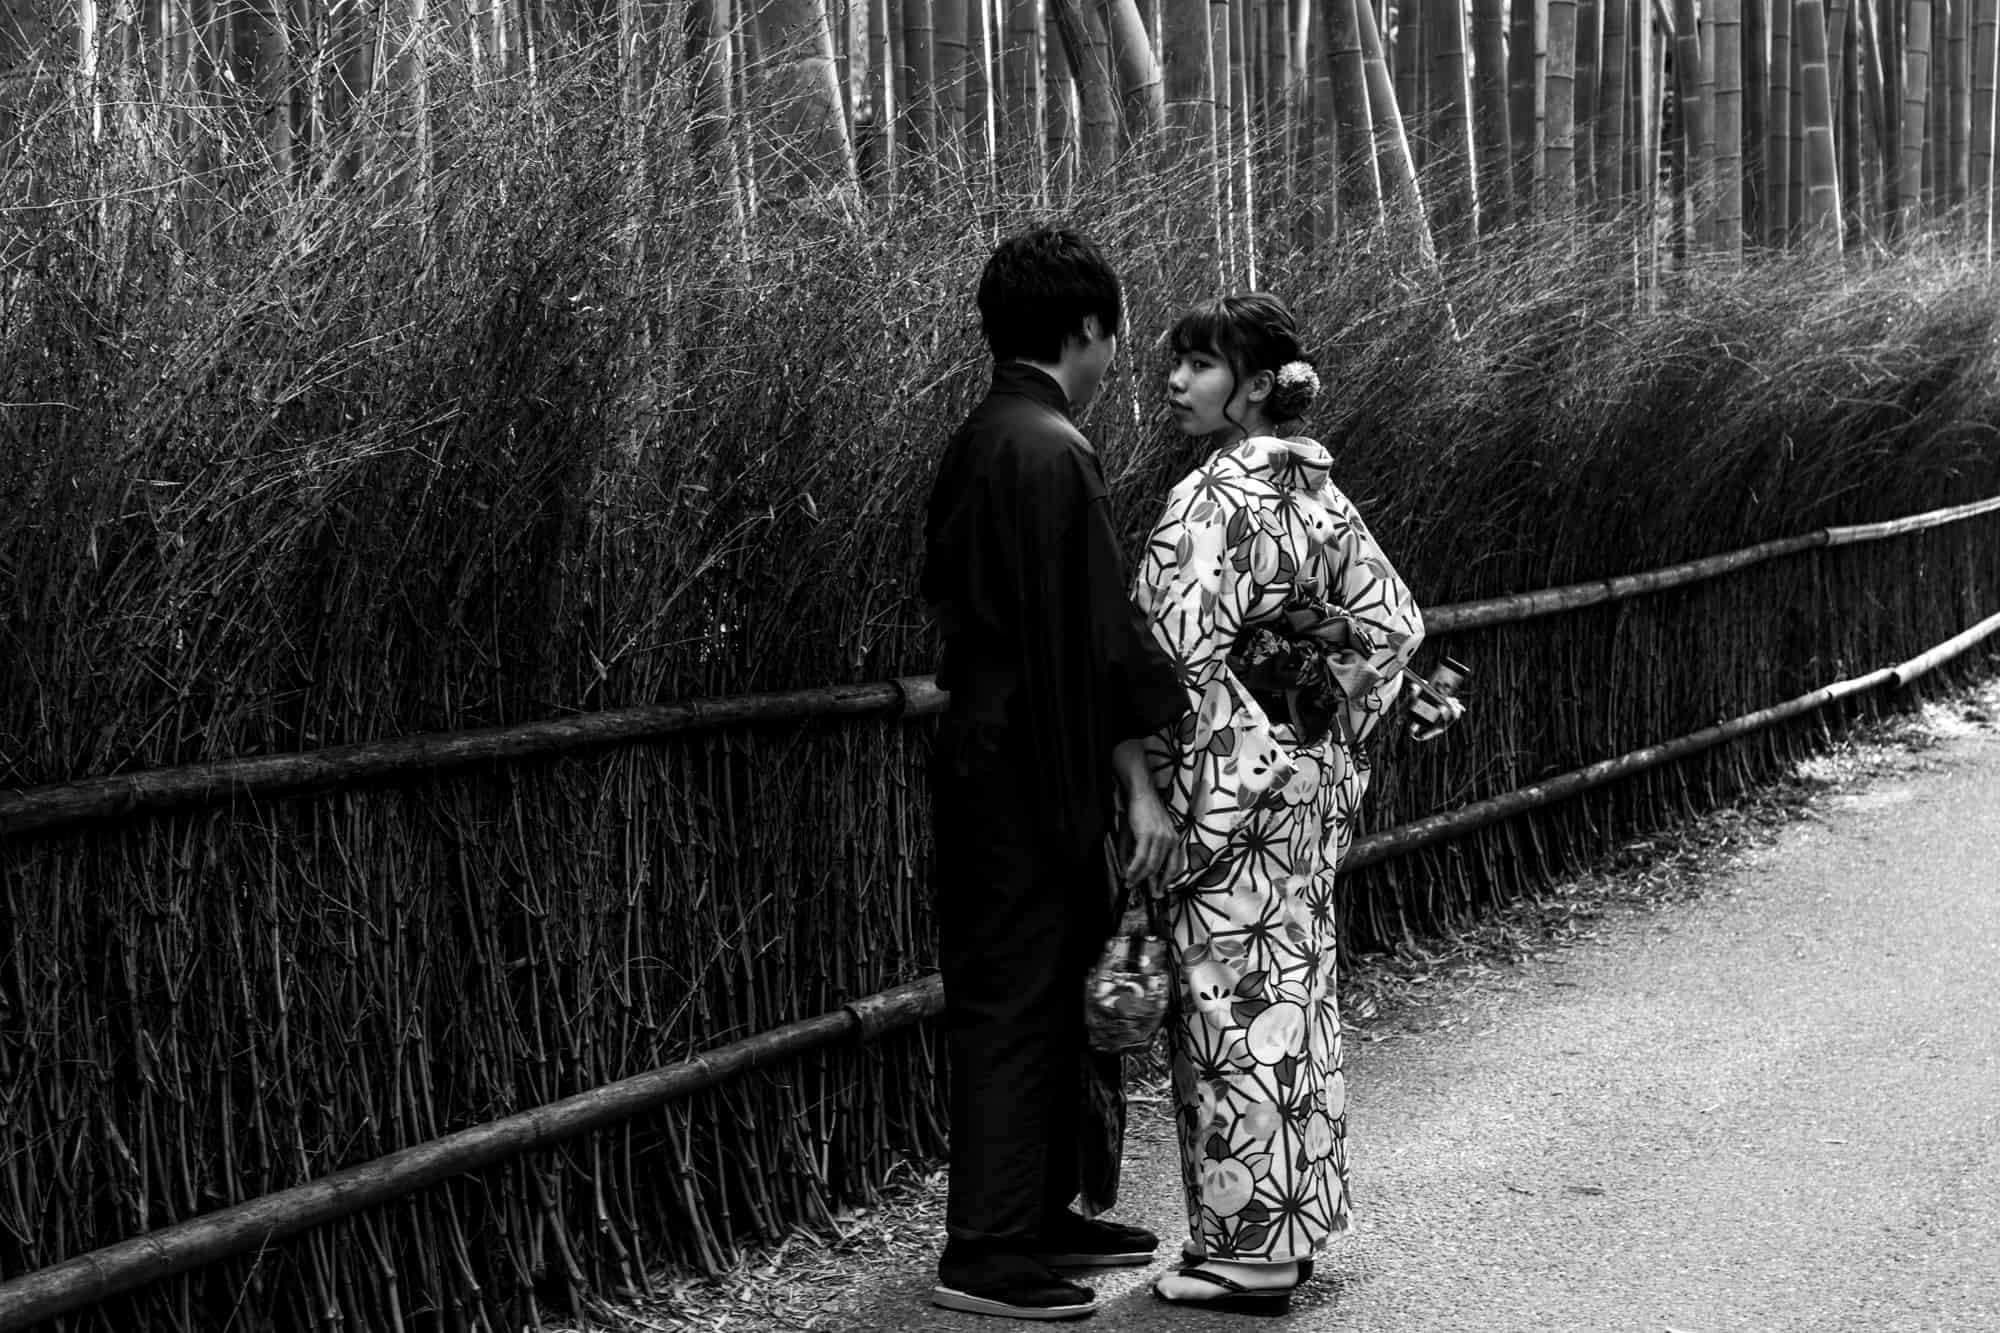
{"points": [[1036, 290]]}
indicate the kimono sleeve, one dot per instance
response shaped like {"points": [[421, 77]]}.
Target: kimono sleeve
{"points": [[1221, 756], [1366, 586]]}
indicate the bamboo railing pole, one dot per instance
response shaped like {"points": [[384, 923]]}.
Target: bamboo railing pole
{"points": [[345, 765]]}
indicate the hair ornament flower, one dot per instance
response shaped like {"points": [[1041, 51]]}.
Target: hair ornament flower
{"points": [[1297, 388]]}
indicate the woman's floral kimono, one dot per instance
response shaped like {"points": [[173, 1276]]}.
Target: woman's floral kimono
{"points": [[1259, 537]]}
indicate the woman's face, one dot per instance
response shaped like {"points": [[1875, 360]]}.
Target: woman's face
{"points": [[1205, 395]]}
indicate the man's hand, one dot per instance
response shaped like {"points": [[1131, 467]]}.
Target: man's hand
{"points": [[1149, 840]]}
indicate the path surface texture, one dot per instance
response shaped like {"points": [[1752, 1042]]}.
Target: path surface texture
{"points": [[1772, 1106]]}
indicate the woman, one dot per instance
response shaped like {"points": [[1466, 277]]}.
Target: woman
{"points": [[1290, 631]]}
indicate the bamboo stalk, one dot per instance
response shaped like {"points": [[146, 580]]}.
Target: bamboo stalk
{"points": [[1492, 137], [1612, 100], [1694, 80], [1820, 213], [1985, 59], [1778, 120], [1915, 104], [1728, 126], [1754, 57], [1558, 171]]}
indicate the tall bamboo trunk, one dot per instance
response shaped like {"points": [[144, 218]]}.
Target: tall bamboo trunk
{"points": [[267, 29], [1611, 104], [1455, 192], [1141, 94], [1589, 54], [1985, 75], [978, 137], [949, 53], [1958, 117], [1853, 188], [1558, 173], [1412, 41], [1022, 138], [1492, 139], [1889, 18], [1222, 59], [1357, 182], [1319, 164], [799, 90], [917, 121], [1916, 94], [1062, 109], [1697, 145], [1392, 146], [1820, 206], [1527, 21], [878, 151], [1754, 54], [1186, 67], [1087, 47], [1728, 126], [1778, 125]]}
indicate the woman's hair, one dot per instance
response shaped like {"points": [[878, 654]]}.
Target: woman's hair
{"points": [[1253, 331], [1037, 288]]}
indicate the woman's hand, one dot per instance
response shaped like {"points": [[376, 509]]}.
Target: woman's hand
{"points": [[1453, 711]]}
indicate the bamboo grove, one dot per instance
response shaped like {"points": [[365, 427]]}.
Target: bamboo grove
{"points": [[1822, 125]]}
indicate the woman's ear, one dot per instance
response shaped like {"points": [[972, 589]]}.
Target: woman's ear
{"points": [[1260, 386]]}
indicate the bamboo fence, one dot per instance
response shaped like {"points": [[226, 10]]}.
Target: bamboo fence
{"points": [[680, 1154]]}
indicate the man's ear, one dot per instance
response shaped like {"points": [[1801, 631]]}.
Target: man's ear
{"points": [[1093, 330]]}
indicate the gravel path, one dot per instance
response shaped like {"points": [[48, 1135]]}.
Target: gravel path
{"points": [[1773, 1106]]}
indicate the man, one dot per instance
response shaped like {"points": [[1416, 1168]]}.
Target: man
{"points": [[1053, 678]]}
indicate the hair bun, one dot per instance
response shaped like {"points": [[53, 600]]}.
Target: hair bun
{"points": [[1297, 388]]}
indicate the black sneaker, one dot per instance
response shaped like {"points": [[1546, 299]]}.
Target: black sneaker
{"points": [[1006, 1283], [1069, 1241]]}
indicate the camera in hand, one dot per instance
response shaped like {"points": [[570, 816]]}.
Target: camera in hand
{"points": [[1429, 708]]}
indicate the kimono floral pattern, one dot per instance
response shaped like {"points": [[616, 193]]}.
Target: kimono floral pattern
{"points": [[1258, 560]]}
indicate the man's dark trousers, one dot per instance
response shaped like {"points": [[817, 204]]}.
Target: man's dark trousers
{"points": [[1021, 915]]}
